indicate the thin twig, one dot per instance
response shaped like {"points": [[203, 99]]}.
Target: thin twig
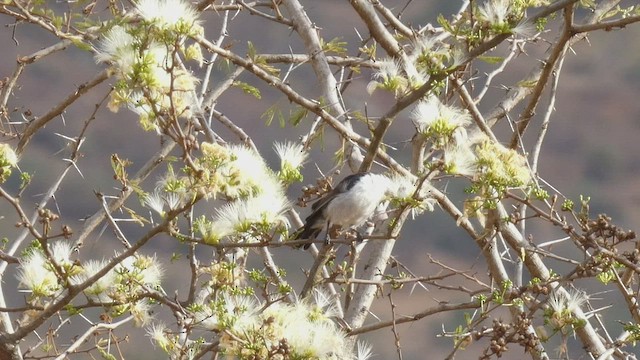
{"points": [[58, 109], [444, 307]]}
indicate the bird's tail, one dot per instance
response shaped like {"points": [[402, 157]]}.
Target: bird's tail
{"points": [[312, 226], [306, 232]]}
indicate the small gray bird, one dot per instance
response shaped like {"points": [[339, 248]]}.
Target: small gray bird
{"points": [[348, 205]]}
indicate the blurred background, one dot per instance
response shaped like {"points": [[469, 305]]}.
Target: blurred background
{"points": [[591, 149]]}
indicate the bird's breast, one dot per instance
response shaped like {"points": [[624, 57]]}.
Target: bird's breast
{"points": [[354, 207]]}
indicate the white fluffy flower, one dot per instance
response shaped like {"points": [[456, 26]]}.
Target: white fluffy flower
{"points": [[158, 200], [155, 202], [460, 160], [145, 270], [243, 309], [61, 252], [389, 68], [291, 154], [363, 351], [495, 11], [141, 311], [159, 336], [562, 307], [35, 275], [405, 188], [248, 174], [102, 288], [566, 301], [240, 215], [117, 46], [325, 306], [8, 157], [146, 63], [245, 323], [432, 117], [424, 43], [222, 225], [167, 13], [389, 77], [426, 113], [525, 29], [206, 318], [239, 312], [269, 208]]}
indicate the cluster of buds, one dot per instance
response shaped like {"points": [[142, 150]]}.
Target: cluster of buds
{"points": [[606, 233], [498, 344], [526, 338], [310, 193]]}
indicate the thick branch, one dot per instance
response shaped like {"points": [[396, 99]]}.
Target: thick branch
{"points": [[537, 268], [303, 26], [367, 12]]}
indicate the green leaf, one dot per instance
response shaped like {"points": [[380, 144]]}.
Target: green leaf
{"points": [[335, 46], [119, 167], [135, 217], [251, 50], [445, 24], [25, 180], [81, 45], [590, 4], [248, 89], [262, 63], [369, 50], [527, 83], [106, 355], [57, 22], [298, 115], [491, 59], [271, 113]]}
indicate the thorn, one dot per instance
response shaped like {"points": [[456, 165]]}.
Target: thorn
{"points": [[75, 166], [67, 137]]}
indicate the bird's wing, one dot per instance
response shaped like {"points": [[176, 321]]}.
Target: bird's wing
{"points": [[347, 183], [342, 187], [316, 220]]}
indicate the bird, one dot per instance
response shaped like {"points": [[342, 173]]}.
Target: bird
{"points": [[348, 205]]}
